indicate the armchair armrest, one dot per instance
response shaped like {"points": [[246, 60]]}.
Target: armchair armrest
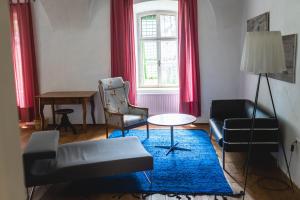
{"points": [[246, 123], [138, 110], [114, 118], [238, 130], [112, 113], [222, 109]]}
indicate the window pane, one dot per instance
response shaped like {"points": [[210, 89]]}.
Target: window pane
{"points": [[149, 61], [168, 25], [148, 26], [169, 66]]}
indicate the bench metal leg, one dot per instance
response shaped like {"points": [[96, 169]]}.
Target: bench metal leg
{"points": [[30, 193], [148, 176]]}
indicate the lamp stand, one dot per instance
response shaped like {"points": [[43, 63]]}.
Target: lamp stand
{"points": [[252, 132]]}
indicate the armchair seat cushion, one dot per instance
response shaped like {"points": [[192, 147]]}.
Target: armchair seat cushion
{"points": [[133, 119]]}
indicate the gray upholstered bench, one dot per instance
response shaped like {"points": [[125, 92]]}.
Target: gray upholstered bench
{"points": [[47, 162]]}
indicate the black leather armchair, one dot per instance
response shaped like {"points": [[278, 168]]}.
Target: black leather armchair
{"points": [[230, 123]]}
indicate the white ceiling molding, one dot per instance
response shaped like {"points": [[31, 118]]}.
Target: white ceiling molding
{"points": [[68, 14]]}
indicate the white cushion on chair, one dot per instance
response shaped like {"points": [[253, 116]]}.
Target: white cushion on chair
{"points": [[133, 119]]}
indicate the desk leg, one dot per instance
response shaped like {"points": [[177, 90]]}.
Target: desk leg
{"points": [[92, 102], [53, 114], [84, 114], [41, 111]]}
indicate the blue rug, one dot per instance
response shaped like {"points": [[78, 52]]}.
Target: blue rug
{"points": [[192, 172]]}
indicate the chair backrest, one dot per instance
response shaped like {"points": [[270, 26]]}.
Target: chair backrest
{"points": [[114, 94], [260, 113]]}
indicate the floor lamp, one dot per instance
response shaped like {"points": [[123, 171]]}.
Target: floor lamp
{"points": [[262, 54]]}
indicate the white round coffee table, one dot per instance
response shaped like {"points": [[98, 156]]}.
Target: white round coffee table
{"points": [[172, 119]]}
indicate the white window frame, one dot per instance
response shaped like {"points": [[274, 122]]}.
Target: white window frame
{"points": [[158, 38]]}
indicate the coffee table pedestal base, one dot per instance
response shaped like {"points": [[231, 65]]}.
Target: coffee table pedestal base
{"points": [[173, 146]]}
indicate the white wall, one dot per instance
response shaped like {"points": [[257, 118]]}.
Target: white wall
{"points": [[72, 54], [284, 16], [11, 169], [219, 41]]}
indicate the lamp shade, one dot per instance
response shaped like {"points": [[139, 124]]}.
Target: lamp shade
{"points": [[263, 53]]}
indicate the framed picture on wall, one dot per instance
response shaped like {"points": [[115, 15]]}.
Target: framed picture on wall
{"points": [[259, 23], [290, 51]]}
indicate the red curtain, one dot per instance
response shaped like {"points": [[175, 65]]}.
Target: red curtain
{"points": [[24, 60], [122, 44], [189, 82]]}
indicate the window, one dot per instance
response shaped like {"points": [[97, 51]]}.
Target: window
{"points": [[157, 50]]}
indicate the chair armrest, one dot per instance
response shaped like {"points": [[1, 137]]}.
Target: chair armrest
{"points": [[238, 130], [114, 119], [138, 110], [42, 145], [222, 109], [246, 123], [112, 113]]}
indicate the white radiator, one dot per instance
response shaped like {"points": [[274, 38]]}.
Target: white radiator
{"points": [[159, 103]]}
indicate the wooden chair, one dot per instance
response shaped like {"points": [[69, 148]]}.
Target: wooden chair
{"points": [[119, 113]]}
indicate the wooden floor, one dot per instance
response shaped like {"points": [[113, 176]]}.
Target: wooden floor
{"points": [[263, 170]]}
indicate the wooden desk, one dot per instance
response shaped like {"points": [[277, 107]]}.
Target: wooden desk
{"points": [[67, 97]]}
